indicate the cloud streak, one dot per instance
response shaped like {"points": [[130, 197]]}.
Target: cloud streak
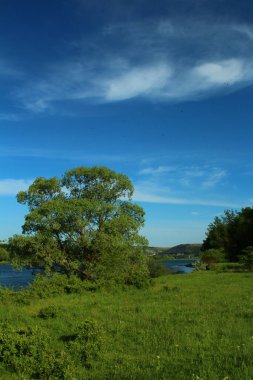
{"points": [[216, 176], [63, 155], [182, 185], [161, 60], [140, 81], [147, 197], [13, 186], [156, 171]]}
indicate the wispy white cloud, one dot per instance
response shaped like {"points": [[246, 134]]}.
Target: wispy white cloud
{"points": [[216, 176], [66, 81], [150, 62], [205, 176], [140, 81], [147, 197], [216, 73], [13, 186], [63, 155], [156, 171], [185, 185], [157, 81], [246, 30]]}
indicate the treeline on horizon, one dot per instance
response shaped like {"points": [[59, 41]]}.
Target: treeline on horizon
{"points": [[86, 224]]}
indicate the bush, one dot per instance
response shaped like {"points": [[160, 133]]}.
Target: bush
{"points": [[50, 311], [156, 268], [27, 351], [247, 258], [87, 342], [227, 267], [212, 256], [58, 284], [4, 254], [12, 296]]}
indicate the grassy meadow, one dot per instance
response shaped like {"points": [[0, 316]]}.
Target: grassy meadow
{"points": [[196, 326]]}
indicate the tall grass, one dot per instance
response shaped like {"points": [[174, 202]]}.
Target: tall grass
{"points": [[196, 326]]}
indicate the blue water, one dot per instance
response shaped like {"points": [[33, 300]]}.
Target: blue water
{"points": [[179, 266], [12, 278]]}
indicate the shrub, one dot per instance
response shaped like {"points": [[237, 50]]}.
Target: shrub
{"points": [[50, 311], [212, 256], [6, 295], [137, 279], [4, 254], [157, 269], [58, 284], [228, 267], [247, 258], [28, 351], [10, 296], [87, 342]]}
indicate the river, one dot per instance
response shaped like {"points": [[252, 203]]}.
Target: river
{"points": [[11, 278], [179, 266]]}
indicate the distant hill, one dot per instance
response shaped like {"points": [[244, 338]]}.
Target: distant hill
{"points": [[179, 251]]}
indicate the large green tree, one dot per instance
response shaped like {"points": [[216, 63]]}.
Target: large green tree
{"points": [[232, 233], [83, 223]]}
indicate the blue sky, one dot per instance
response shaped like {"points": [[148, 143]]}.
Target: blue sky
{"points": [[159, 90]]}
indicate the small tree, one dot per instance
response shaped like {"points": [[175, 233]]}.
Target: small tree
{"points": [[247, 258], [212, 256], [83, 223]]}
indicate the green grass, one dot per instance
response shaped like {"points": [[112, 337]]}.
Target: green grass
{"points": [[196, 326]]}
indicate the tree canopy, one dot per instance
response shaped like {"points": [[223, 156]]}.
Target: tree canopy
{"points": [[232, 233], [83, 223]]}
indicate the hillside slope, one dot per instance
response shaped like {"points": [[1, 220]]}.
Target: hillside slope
{"points": [[181, 250]]}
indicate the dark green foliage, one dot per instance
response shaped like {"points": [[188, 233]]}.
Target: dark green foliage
{"points": [[28, 351], [83, 224], [156, 268], [35, 251], [59, 284], [11, 296], [4, 254], [50, 311], [212, 256], [87, 341], [228, 267], [247, 258], [232, 233]]}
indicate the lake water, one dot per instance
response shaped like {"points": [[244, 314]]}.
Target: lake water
{"points": [[12, 278], [179, 265]]}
